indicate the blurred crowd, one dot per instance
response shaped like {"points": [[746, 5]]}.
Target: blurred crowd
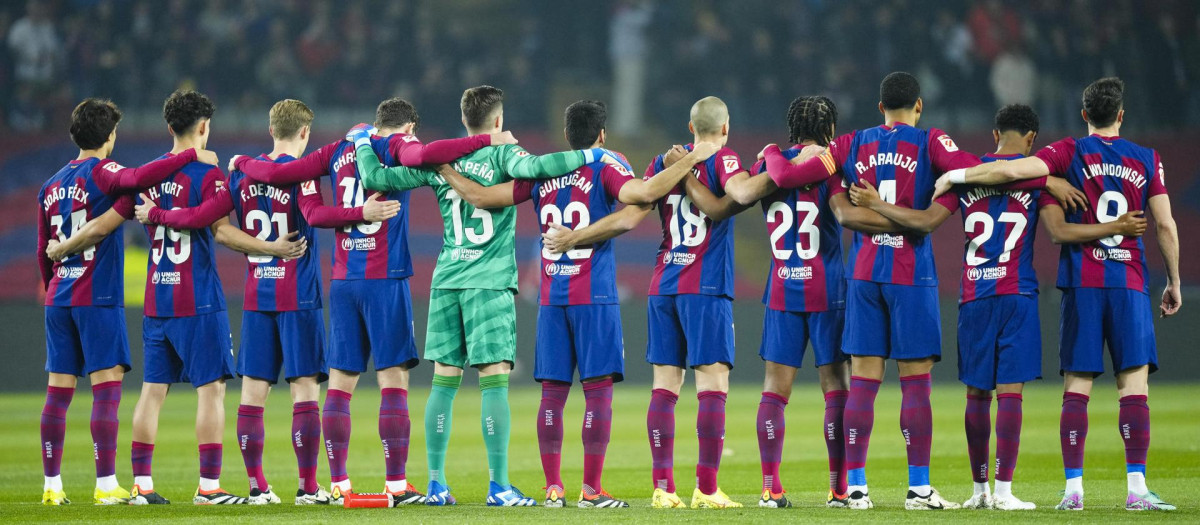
{"points": [[649, 59]]}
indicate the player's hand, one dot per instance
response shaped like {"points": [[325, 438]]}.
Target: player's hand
{"points": [[502, 138], [558, 238], [54, 252], [864, 195], [673, 155], [1171, 301], [808, 152], [361, 131], [375, 210], [701, 151], [207, 157], [942, 186], [232, 167], [289, 247], [1131, 224], [762, 153], [1065, 193], [142, 209]]}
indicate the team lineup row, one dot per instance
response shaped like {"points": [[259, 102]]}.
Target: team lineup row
{"points": [[891, 185]]}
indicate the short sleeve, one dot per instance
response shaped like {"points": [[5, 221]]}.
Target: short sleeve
{"points": [[1158, 183], [838, 185], [758, 167], [614, 178], [839, 149], [651, 170], [945, 155], [523, 190], [728, 164], [1058, 155], [948, 200], [215, 182], [1045, 199], [124, 205]]}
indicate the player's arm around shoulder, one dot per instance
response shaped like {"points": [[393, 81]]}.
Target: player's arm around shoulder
{"points": [[560, 239], [858, 218], [377, 177], [93, 231], [864, 195], [478, 195], [225, 233], [649, 191]]}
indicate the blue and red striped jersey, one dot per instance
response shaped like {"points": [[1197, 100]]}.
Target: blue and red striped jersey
{"points": [[182, 277], [67, 201], [696, 254], [268, 213], [903, 163], [366, 250], [1000, 226], [807, 273], [1117, 176], [586, 274]]}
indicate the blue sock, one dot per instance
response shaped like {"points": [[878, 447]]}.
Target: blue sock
{"points": [[1072, 473], [857, 476], [918, 476], [1132, 467]]}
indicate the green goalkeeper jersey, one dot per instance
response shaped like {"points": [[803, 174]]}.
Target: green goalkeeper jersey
{"points": [[478, 246]]}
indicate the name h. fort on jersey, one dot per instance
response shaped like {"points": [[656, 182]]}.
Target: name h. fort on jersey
{"points": [[182, 274]]}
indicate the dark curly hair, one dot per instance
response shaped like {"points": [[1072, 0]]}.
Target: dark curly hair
{"points": [[184, 108], [395, 113], [899, 90], [811, 118], [1102, 100], [1017, 117], [92, 121]]}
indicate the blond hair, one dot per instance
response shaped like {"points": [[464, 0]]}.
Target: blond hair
{"points": [[709, 114], [287, 117]]}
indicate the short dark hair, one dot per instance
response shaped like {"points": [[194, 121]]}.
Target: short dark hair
{"points": [[899, 90], [184, 108], [396, 112], [811, 118], [1102, 100], [584, 120], [1017, 117], [479, 102], [92, 121]]}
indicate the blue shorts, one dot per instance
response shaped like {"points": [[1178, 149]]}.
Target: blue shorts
{"points": [[1092, 317], [83, 339], [893, 321], [292, 341], [999, 341], [690, 330], [585, 335], [196, 349], [786, 334], [371, 317]]}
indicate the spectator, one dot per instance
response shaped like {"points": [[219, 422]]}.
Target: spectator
{"points": [[1013, 78], [35, 45], [628, 52]]}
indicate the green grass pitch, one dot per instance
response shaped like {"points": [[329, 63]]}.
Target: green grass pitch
{"points": [[1174, 460]]}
